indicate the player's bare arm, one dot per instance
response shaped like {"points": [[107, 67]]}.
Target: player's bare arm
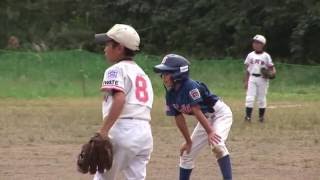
{"points": [[213, 138], [115, 111], [182, 126]]}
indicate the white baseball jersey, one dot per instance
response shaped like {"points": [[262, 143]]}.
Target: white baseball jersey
{"points": [[128, 77], [256, 61]]}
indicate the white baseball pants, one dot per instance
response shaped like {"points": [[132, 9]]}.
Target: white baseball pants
{"points": [[132, 146], [221, 121], [257, 88]]}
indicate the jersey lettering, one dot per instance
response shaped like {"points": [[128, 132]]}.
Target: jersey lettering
{"points": [[257, 61], [111, 82], [183, 108]]}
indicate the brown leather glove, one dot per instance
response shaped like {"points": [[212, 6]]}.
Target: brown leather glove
{"points": [[95, 155], [268, 74]]}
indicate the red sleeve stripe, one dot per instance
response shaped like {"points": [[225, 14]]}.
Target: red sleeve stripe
{"points": [[112, 87]]}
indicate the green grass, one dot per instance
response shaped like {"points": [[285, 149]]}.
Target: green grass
{"points": [[79, 73]]}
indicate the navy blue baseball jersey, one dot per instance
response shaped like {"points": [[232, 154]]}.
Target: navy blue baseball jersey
{"points": [[190, 93]]}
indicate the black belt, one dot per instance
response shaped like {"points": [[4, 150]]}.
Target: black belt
{"points": [[256, 75]]}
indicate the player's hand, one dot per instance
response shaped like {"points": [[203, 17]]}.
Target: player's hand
{"points": [[214, 138], [185, 147], [103, 133]]}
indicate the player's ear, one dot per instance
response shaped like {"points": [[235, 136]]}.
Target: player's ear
{"points": [[121, 49]]}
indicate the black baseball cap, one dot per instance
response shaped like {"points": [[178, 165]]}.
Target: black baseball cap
{"points": [[101, 38]]}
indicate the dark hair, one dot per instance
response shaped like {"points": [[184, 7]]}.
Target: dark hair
{"points": [[127, 52]]}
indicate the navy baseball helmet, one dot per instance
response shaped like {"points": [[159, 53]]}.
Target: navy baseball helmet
{"points": [[174, 64]]}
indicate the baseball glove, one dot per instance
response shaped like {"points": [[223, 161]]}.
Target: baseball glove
{"points": [[95, 155], [268, 74]]}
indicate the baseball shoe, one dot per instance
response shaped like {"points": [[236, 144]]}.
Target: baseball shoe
{"points": [[248, 119], [261, 119]]}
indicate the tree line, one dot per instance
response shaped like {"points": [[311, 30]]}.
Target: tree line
{"points": [[199, 28]]}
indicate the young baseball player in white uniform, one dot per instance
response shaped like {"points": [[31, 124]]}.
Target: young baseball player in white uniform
{"points": [[255, 84], [127, 104]]}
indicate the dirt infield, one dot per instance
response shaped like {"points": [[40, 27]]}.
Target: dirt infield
{"points": [[39, 140]]}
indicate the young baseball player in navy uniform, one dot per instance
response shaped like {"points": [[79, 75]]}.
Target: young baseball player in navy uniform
{"points": [[185, 96], [126, 106], [255, 84]]}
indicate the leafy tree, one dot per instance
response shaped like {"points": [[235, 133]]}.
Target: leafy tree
{"points": [[201, 28]]}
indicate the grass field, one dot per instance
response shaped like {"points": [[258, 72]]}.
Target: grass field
{"points": [[50, 105], [79, 73]]}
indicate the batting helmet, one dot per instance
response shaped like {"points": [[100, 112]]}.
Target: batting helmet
{"points": [[176, 65]]}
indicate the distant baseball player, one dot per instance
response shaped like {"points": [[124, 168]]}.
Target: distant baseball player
{"points": [[255, 82], [127, 104], [185, 96]]}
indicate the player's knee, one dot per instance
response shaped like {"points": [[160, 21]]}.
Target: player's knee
{"points": [[220, 151], [249, 101], [186, 161], [262, 102]]}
